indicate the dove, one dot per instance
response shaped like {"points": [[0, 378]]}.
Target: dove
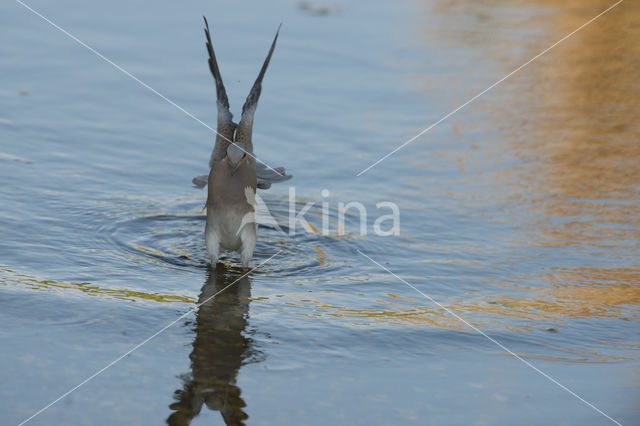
{"points": [[235, 173]]}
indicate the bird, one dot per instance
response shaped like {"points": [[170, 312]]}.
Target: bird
{"points": [[234, 172]]}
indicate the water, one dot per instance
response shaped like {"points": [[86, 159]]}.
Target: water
{"points": [[520, 213]]}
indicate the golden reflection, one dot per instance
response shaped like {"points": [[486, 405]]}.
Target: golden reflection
{"points": [[220, 348], [572, 120], [11, 277], [581, 147], [567, 128], [586, 115], [572, 359], [486, 313], [322, 256]]}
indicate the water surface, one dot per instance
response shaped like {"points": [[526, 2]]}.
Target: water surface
{"points": [[520, 213]]}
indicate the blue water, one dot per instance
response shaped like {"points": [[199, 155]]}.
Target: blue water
{"points": [[519, 213]]}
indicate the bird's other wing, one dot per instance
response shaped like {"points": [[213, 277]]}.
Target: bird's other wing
{"points": [[267, 176], [200, 181], [243, 133], [226, 126]]}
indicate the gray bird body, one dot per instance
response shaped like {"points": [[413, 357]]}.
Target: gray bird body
{"points": [[234, 175], [230, 212]]}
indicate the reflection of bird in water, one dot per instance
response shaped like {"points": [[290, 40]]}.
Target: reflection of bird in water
{"points": [[219, 350]]}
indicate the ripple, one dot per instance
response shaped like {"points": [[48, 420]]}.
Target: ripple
{"points": [[175, 237], [11, 277], [161, 238]]}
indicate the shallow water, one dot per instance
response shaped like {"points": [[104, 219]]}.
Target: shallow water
{"points": [[520, 213]]}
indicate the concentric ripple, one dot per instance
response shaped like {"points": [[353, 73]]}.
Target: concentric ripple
{"points": [[174, 235]]}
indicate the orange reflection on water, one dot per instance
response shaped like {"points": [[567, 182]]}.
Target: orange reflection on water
{"points": [[576, 130], [570, 120]]}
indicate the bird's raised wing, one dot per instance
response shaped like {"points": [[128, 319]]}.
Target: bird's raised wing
{"points": [[226, 126], [243, 133]]}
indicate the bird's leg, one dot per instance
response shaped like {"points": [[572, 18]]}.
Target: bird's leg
{"points": [[213, 244], [248, 238]]}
